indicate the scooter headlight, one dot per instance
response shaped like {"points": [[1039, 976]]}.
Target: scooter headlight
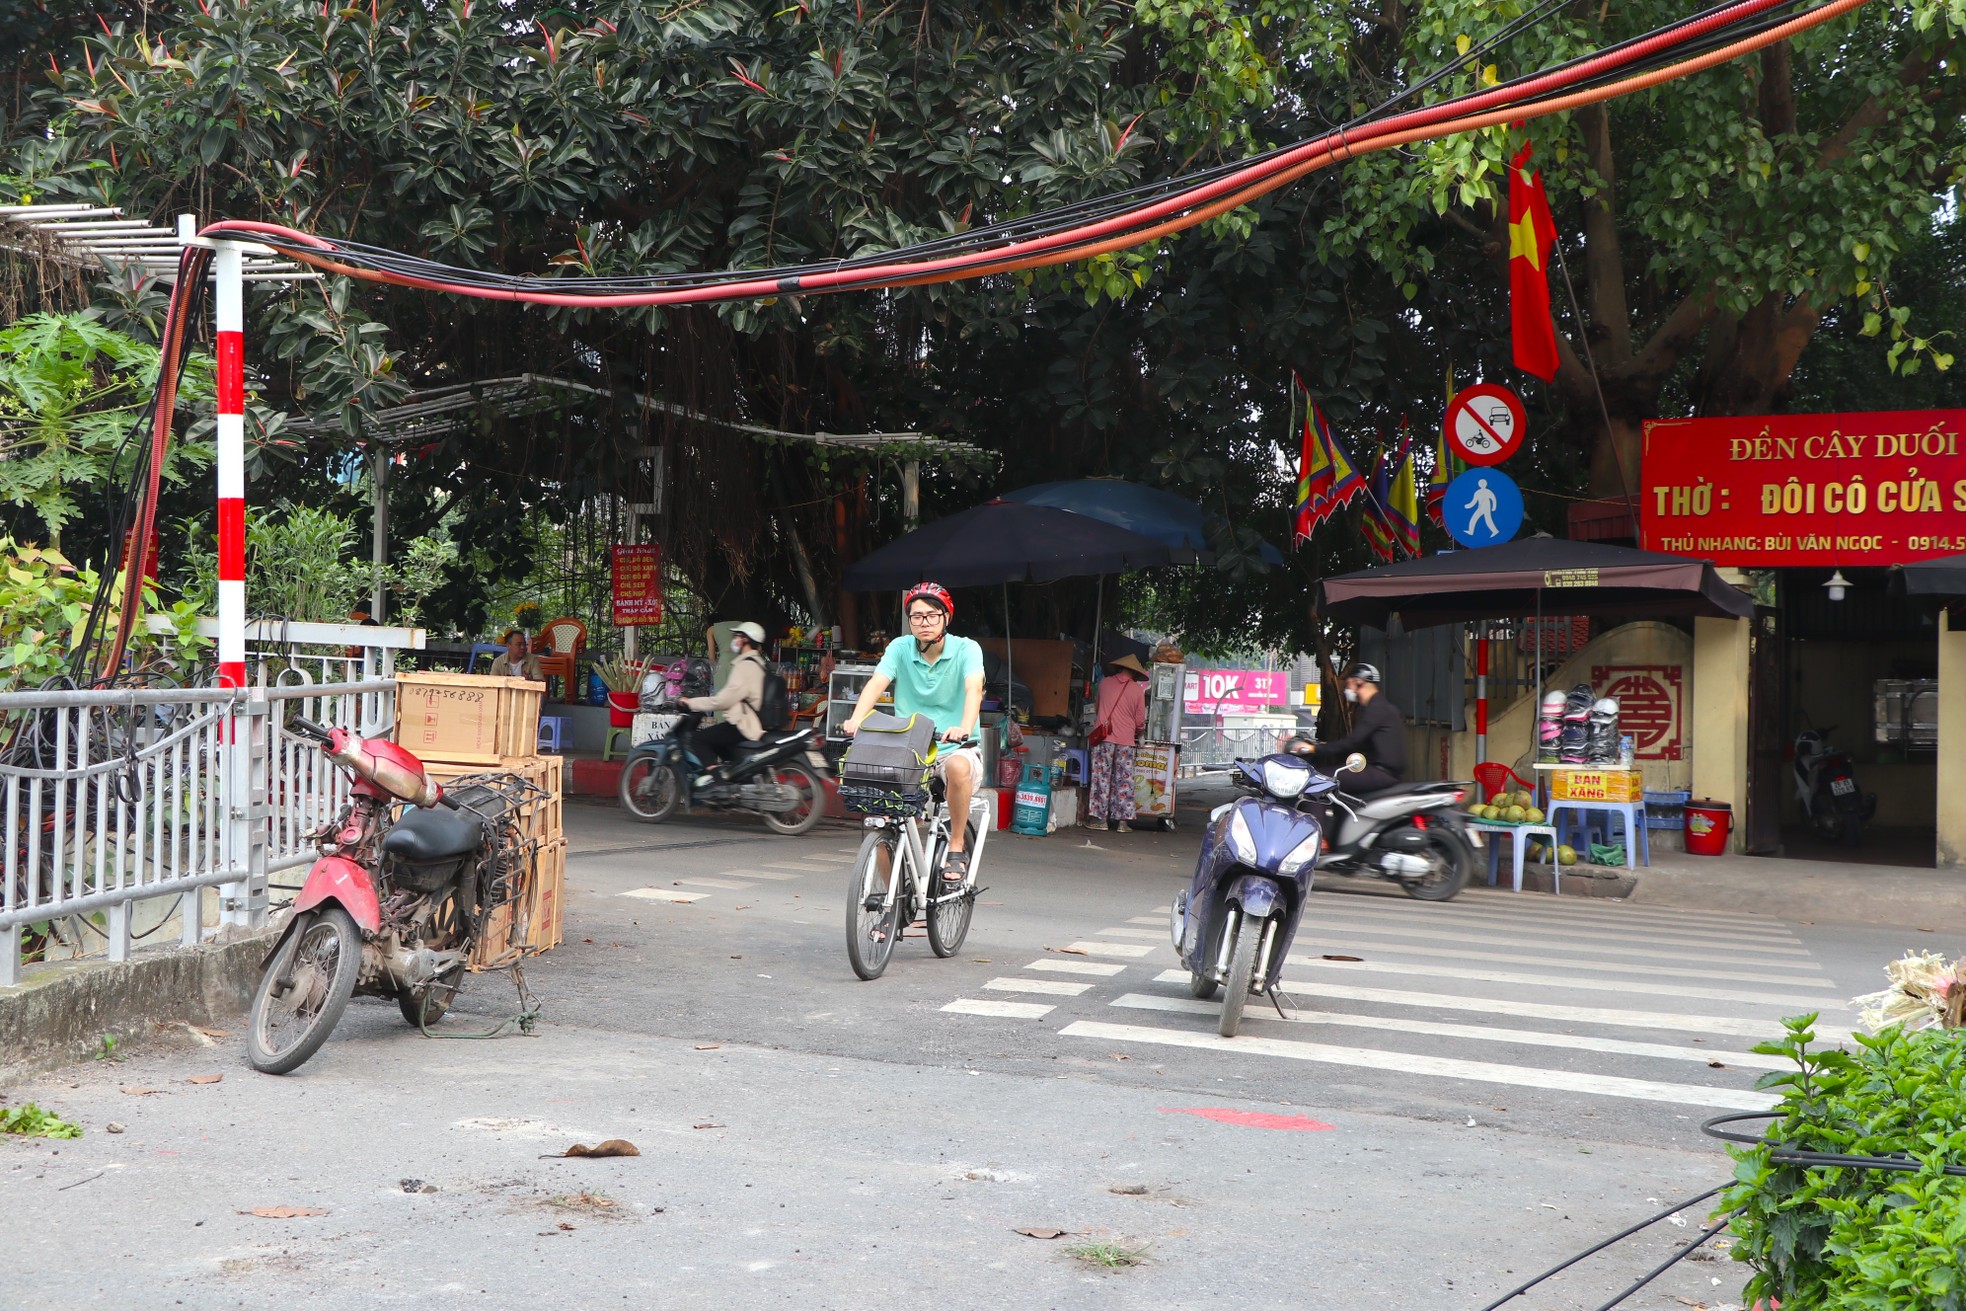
{"points": [[1284, 781], [1301, 855], [1241, 840]]}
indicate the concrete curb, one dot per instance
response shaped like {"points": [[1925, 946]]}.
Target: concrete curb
{"points": [[62, 1012]]}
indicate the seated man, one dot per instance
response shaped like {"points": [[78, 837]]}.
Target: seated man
{"points": [[515, 663]]}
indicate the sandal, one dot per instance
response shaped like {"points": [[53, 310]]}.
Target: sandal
{"points": [[955, 867]]}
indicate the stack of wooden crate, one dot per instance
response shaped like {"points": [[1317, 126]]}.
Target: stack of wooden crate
{"points": [[464, 724]]}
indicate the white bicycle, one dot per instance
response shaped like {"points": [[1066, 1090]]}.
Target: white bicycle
{"points": [[896, 876]]}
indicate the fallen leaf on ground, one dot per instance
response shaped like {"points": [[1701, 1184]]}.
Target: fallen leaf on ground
{"points": [[204, 1078], [284, 1212], [1129, 1190], [979, 960], [1119, 1056], [1715, 1065], [1067, 951], [142, 1092], [586, 939], [612, 1147], [1042, 1233], [1332, 957], [212, 1033], [708, 1046], [706, 1126], [564, 1225]]}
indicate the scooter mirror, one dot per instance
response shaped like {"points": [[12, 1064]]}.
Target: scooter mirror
{"points": [[1354, 763]]}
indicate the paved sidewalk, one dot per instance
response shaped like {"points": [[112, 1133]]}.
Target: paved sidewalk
{"points": [[1808, 890]]}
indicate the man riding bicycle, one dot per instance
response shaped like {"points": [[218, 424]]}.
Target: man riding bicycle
{"points": [[940, 677]]}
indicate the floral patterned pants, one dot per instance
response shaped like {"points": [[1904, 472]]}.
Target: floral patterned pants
{"points": [[1110, 792]]}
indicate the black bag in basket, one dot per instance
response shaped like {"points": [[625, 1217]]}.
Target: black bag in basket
{"points": [[885, 771]]}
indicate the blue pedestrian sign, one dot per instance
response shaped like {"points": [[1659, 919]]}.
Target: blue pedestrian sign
{"points": [[1482, 507]]}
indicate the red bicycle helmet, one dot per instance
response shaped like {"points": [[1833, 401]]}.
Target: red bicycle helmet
{"points": [[935, 592]]}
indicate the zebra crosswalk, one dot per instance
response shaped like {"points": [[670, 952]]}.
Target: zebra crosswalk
{"points": [[1589, 998], [683, 891]]}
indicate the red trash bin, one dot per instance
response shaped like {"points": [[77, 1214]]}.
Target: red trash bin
{"points": [[1707, 825]]}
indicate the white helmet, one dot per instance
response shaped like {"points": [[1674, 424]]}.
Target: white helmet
{"points": [[756, 632]]}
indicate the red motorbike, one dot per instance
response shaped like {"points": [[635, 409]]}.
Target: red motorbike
{"points": [[391, 908]]}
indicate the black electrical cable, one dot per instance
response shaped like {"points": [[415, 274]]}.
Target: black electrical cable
{"points": [[1593, 1250], [1818, 1160], [1060, 219]]}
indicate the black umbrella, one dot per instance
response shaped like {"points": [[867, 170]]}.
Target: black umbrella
{"points": [[1527, 575], [1006, 542]]}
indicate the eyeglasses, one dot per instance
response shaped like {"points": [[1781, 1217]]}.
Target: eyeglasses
{"points": [[926, 617]]}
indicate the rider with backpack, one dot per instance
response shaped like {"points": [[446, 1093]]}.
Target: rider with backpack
{"points": [[745, 702]]}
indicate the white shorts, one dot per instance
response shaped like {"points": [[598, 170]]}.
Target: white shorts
{"points": [[974, 755]]}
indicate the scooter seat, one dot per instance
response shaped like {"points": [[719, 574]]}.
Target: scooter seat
{"points": [[422, 835]]}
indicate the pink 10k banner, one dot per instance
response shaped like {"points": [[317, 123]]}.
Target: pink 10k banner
{"points": [[1234, 691]]}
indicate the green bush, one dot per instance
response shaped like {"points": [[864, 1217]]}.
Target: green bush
{"points": [[1841, 1239]]}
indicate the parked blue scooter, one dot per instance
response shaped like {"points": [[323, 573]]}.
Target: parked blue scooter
{"points": [[1233, 924]]}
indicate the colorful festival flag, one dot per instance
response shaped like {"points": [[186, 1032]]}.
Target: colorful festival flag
{"points": [[1376, 523], [1531, 234], [1313, 481], [1403, 506], [1346, 484], [1326, 480]]}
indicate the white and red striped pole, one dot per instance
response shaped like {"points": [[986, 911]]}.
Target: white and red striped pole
{"points": [[227, 267]]}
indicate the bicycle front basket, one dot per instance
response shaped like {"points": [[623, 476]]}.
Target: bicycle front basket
{"points": [[885, 770]]}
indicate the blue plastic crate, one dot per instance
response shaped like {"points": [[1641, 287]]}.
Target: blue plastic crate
{"points": [[1666, 810]]}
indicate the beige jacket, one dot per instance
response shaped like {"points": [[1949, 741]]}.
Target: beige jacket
{"points": [[741, 696]]}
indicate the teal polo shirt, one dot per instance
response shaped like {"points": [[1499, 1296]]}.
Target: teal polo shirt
{"points": [[934, 690]]}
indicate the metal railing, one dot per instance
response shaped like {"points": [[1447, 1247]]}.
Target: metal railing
{"points": [[1209, 745], [129, 803]]}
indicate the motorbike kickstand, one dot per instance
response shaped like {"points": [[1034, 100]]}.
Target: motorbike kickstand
{"points": [[1276, 1000]]}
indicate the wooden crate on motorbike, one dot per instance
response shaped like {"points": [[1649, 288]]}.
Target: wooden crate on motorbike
{"points": [[533, 921], [541, 818], [467, 718]]}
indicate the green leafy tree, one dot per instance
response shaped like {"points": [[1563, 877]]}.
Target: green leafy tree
{"points": [[72, 392], [1712, 222]]}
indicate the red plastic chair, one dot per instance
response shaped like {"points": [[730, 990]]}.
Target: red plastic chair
{"points": [[1494, 777]]}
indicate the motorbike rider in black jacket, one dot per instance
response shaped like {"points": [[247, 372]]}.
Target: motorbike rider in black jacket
{"points": [[1378, 733]]}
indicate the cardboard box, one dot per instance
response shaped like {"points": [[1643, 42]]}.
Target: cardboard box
{"points": [[1598, 784], [467, 718]]}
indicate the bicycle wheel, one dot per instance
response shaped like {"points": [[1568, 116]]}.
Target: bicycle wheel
{"points": [[322, 956], [871, 926], [948, 921], [649, 789]]}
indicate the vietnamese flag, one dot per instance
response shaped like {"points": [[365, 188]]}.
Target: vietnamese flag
{"points": [[1531, 234]]}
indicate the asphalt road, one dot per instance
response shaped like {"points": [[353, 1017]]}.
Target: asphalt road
{"points": [[1490, 1086]]}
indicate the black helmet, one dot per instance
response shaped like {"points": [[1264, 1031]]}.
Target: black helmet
{"points": [[1364, 673]]}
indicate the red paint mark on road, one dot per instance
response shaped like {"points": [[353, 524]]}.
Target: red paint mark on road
{"points": [[1250, 1119]]}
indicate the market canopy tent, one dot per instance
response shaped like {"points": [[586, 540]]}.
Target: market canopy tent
{"points": [[1148, 511], [1006, 542], [1529, 575], [1942, 579]]}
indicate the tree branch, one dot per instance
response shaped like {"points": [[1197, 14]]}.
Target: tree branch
{"points": [[1604, 261], [1876, 110], [1672, 340]]}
